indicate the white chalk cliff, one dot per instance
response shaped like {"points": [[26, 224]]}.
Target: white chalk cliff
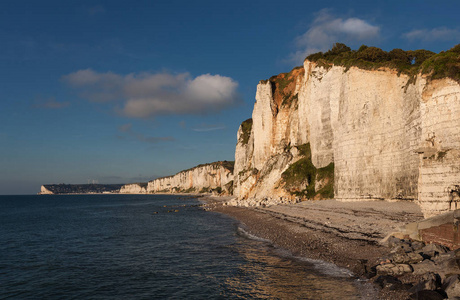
{"points": [[386, 135], [134, 188], [203, 178]]}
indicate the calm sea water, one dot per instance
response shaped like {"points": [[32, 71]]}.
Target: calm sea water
{"points": [[117, 247]]}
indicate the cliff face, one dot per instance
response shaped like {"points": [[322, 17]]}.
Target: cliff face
{"points": [[384, 136], [56, 189], [45, 191], [216, 176], [134, 188]]}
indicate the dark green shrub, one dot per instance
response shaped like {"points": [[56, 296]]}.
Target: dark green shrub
{"points": [[246, 128]]}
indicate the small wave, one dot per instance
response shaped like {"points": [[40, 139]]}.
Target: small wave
{"points": [[248, 235], [321, 266]]}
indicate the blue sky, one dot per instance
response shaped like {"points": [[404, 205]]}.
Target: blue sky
{"points": [[118, 91]]}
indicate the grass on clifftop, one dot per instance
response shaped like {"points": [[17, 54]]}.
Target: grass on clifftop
{"points": [[300, 178], [412, 62]]}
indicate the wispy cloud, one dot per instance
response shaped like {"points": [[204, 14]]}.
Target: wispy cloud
{"points": [[145, 95], [128, 130], [327, 29], [208, 127], [50, 103], [434, 34]]}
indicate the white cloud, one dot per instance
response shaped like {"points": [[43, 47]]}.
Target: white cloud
{"points": [[435, 34], [327, 29], [146, 95]]}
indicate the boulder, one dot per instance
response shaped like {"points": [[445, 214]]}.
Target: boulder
{"points": [[427, 295], [452, 287], [407, 258], [430, 281], [402, 248], [393, 269], [433, 250], [424, 267], [448, 267]]}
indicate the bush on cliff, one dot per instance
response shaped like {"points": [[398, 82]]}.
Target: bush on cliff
{"points": [[246, 128], [301, 177], [437, 66]]}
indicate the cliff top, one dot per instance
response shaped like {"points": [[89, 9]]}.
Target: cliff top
{"points": [[283, 86], [82, 188], [225, 164], [412, 62]]}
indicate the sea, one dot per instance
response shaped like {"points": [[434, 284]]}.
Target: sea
{"points": [[113, 246]]}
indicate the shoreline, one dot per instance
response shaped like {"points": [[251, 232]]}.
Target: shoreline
{"points": [[327, 235]]}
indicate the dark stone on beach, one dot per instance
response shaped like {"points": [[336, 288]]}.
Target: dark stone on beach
{"points": [[403, 247], [391, 283], [417, 245], [424, 267], [449, 267], [430, 281], [393, 242], [452, 287], [369, 271], [427, 295], [407, 258], [433, 250], [386, 281]]}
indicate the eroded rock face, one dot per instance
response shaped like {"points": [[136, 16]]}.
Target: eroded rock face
{"points": [[388, 135], [45, 191], [203, 178]]}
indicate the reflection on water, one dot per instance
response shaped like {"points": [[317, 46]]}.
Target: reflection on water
{"points": [[117, 247], [273, 273]]}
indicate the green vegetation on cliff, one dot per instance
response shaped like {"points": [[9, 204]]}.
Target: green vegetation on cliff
{"points": [[412, 62], [83, 188], [246, 128], [301, 177]]}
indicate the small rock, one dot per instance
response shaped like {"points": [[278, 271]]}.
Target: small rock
{"points": [[386, 280], [426, 295], [452, 287], [391, 283]]}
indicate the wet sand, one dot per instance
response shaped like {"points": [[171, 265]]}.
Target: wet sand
{"points": [[344, 233]]}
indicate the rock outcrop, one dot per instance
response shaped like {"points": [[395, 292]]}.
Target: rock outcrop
{"points": [[383, 134], [134, 188], [45, 191], [214, 177]]}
